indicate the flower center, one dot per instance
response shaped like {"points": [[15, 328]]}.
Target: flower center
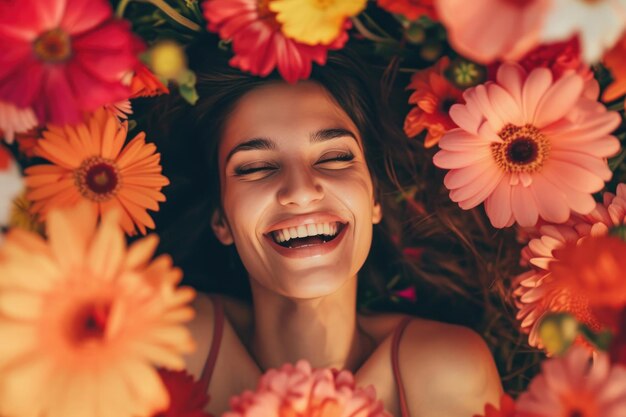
{"points": [[267, 15], [53, 46], [89, 323], [97, 179], [524, 149]]}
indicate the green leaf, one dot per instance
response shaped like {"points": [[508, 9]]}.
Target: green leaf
{"points": [[601, 340], [189, 93]]}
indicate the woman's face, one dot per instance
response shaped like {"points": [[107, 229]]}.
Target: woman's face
{"points": [[297, 195]]}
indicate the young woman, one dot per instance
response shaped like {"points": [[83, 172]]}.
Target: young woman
{"points": [[297, 178]]}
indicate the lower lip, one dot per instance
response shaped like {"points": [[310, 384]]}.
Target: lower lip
{"points": [[308, 251]]}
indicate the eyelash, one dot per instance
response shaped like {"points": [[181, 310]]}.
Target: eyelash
{"points": [[340, 157]]}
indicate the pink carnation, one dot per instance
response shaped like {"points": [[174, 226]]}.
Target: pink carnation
{"points": [[535, 292], [63, 57], [528, 146], [299, 391]]}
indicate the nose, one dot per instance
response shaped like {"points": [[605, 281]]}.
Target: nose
{"points": [[300, 188]]}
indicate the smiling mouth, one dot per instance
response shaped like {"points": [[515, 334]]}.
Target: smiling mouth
{"points": [[307, 235]]}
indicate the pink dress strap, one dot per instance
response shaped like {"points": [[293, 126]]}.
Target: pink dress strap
{"points": [[395, 348], [218, 330]]}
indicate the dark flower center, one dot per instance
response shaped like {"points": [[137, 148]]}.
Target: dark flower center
{"points": [[523, 149], [53, 46], [576, 413], [89, 323], [97, 179]]}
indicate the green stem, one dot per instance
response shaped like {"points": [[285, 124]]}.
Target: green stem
{"points": [[165, 8], [366, 32]]}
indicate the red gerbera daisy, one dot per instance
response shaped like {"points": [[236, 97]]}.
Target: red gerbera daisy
{"points": [[258, 42], [63, 57]]}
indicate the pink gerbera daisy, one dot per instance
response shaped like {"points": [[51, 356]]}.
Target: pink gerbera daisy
{"points": [[489, 30], [529, 146], [63, 57], [535, 291], [258, 42], [572, 386]]}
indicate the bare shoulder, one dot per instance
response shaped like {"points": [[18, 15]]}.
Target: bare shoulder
{"points": [[447, 370], [201, 328]]}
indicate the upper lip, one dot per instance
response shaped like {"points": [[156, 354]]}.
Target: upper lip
{"points": [[304, 219]]}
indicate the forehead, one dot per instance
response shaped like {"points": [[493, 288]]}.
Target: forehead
{"points": [[283, 111]]}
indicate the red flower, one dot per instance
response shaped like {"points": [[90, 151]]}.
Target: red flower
{"points": [[187, 396], [559, 57], [507, 408], [411, 9], [258, 43], [617, 351], [433, 97], [63, 57]]}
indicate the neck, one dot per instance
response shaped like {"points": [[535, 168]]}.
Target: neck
{"points": [[323, 330]]}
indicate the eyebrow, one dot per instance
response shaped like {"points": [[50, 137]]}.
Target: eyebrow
{"points": [[266, 144]]}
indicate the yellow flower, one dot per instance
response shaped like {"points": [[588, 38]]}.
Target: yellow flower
{"points": [[314, 22]]}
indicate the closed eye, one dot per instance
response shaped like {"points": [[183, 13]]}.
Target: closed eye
{"points": [[336, 157], [247, 169]]}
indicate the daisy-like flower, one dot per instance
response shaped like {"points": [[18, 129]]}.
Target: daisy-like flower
{"points": [[187, 396], [594, 269], [615, 61], [411, 9], [92, 163], [572, 386], [433, 97], [489, 30], [598, 24], [315, 22], [536, 292], [121, 109], [299, 391], [63, 57], [506, 408], [85, 320], [560, 57], [145, 84], [258, 42], [11, 185], [528, 146], [15, 120]]}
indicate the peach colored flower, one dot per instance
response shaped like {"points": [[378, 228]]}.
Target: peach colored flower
{"points": [[528, 146], [92, 163], [433, 97], [258, 42], [572, 386], [506, 409], [411, 9], [84, 320], [489, 30], [536, 292], [299, 391], [15, 120]]}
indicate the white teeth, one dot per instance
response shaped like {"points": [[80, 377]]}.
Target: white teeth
{"points": [[283, 235]]}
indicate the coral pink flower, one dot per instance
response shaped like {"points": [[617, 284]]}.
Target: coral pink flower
{"points": [[15, 120], [506, 409], [258, 43], [535, 291], [572, 386], [433, 97], [299, 391], [63, 57], [528, 146], [490, 30], [84, 320]]}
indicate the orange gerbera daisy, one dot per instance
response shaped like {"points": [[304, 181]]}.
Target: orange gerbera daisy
{"points": [[91, 163], [146, 84], [84, 320], [615, 61], [411, 9], [594, 269], [433, 97], [537, 292]]}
